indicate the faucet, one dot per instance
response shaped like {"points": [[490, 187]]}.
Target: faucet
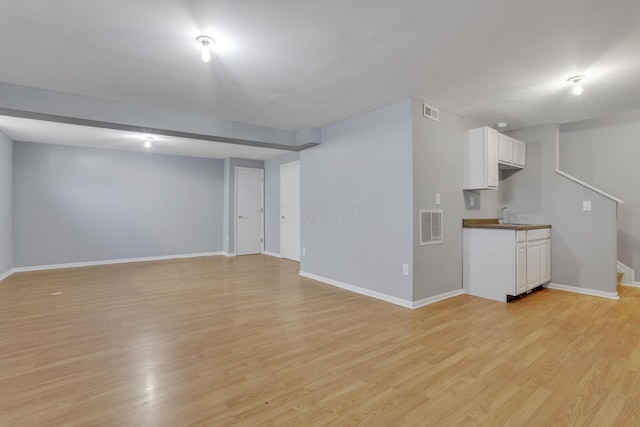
{"points": [[505, 216]]}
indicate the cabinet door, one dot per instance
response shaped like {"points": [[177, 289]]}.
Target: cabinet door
{"points": [[505, 148], [533, 264], [492, 158], [521, 268], [545, 261], [519, 152]]}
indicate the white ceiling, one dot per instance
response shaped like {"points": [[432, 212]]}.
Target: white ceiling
{"points": [[297, 63], [19, 129]]}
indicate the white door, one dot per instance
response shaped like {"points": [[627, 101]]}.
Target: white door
{"points": [[249, 200], [290, 211]]}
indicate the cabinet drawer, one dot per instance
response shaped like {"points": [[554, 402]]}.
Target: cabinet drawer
{"points": [[542, 233], [521, 236]]}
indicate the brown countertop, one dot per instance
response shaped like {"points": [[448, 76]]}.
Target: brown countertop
{"points": [[493, 223]]}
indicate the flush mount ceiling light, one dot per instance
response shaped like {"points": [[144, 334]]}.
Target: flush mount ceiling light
{"points": [[147, 142], [205, 43], [502, 124], [577, 87]]}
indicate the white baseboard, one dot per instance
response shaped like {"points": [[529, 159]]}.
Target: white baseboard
{"points": [[6, 274], [628, 275], [379, 295], [357, 289], [633, 285], [273, 254], [111, 261], [228, 254], [432, 300], [577, 290]]}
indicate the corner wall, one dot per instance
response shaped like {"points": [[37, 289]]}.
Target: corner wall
{"points": [[583, 244], [604, 152], [437, 168], [356, 193], [6, 204]]}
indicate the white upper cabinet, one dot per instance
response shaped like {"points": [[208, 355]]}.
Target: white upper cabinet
{"points": [[511, 153], [480, 159], [519, 153], [505, 148]]}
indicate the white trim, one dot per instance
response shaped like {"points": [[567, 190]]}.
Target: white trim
{"points": [[576, 180], [111, 261], [577, 290], [282, 166], [628, 275], [437, 298], [383, 297], [272, 254], [357, 289], [229, 254], [6, 274], [235, 207], [633, 285], [590, 187]]}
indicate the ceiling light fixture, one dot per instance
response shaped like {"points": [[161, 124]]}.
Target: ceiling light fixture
{"points": [[577, 87], [147, 142], [205, 43], [502, 124]]}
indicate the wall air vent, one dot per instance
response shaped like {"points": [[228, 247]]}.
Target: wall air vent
{"points": [[431, 227], [431, 112]]}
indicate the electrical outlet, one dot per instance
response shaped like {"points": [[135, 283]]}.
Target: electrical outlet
{"points": [[437, 198], [472, 201], [304, 251], [586, 205], [405, 269]]}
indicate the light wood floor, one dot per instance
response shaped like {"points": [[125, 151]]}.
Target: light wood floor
{"points": [[218, 341]]}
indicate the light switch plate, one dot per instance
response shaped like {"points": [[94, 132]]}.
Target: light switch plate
{"points": [[586, 205], [405, 269], [437, 198]]}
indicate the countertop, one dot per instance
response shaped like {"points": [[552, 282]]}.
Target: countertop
{"points": [[494, 223]]}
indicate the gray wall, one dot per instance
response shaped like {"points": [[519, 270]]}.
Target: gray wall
{"points": [[6, 203], [64, 104], [272, 200], [437, 168], [230, 166], [81, 204], [356, 190], [583, 244], [604, 152]]}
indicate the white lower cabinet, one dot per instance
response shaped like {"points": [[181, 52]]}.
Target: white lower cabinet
{"points": [[501, 262], [521, 268]]}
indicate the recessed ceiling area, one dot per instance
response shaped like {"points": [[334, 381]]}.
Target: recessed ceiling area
{"points": [[40, 131], [292, 65]]}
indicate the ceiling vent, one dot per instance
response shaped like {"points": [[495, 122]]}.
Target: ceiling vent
{"points": [[430, 227], [430, 112]]}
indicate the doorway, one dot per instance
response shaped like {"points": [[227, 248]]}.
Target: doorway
{"points": [[249, 221], [290, 211]]}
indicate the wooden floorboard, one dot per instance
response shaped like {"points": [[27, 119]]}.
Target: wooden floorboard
{"points": [[246, 341]]}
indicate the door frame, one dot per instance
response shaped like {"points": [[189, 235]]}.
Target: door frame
{"points": [[283, 165], [235, 207]]}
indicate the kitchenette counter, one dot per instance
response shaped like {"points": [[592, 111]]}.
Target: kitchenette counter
{"points": [[494, 223]]}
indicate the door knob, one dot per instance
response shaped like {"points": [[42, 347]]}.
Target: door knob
{"points": [[283, 217], [241, 217]]}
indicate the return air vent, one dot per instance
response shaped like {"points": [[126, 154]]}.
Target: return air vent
{"points": [[430, 227], [431, 112]]}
